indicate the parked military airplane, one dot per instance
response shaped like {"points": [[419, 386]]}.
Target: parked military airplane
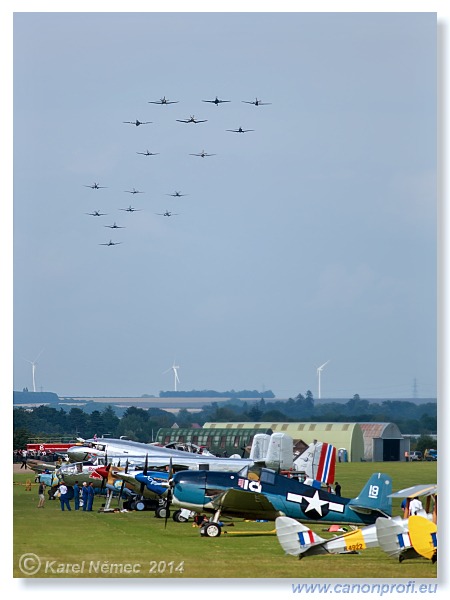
{"points": [[216, 101], [264, 494], [137, 123], [408, 539], [191, 119], [163, 100]]}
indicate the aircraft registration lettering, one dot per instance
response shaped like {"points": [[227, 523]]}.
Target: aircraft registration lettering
{"points": [[355, 541], [374, 491], [246, 484]]}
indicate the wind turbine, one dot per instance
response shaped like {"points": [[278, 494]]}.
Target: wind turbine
{"points": [[319, 371], [33, 368], [174, 368]]}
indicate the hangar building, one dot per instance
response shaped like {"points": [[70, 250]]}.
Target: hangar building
{"points": [[384, 442], [346, 437]]}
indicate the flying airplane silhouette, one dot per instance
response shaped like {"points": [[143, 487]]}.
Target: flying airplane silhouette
{"points": [[256, 102], [133, 191], [163, 100], [130, 209], [110, 243], [137, 123], [167, 214], [96, 213], [240, 130], [114, 226], [202, 154], [147, 153], [95, 186], [176, 194], [216, 101], [191, 119]]}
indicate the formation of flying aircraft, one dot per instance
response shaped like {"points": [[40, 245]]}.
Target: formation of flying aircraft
{"points": [[95, 186], [96, 213], [240, 130], [137, 122], [265, 494], [216, 101], [114, 226], [148, 153], [163, 100], [202, 154], [191, 119], [256, 102], [110, 243], [130, 209], [133, 191]]}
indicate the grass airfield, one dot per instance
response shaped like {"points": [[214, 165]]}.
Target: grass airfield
{"points": [[48, 543]]}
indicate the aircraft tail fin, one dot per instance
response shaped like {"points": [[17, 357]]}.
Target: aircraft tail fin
{"points": [[294, 537], [318, 462], [374, 497]]}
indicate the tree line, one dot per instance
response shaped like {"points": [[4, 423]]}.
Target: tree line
{"points": [[142, 425]]}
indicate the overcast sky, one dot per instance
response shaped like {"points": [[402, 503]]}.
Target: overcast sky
{"points": [[312, 238]]}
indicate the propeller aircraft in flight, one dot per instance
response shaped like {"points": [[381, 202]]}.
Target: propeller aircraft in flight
{"points": [[114, 226], [240, 130], [191, 119], [216, 101], [265, 494], [167, 213], [163, 100], [202, 154], [256, 102], [133, 191], [110, 243], [130, 209], [176, 194], [148, 153], [95, 186], [96, 213], [137, 122]]}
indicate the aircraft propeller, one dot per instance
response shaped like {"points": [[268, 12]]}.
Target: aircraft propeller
{"points": [[123, 480], [144, 472]]}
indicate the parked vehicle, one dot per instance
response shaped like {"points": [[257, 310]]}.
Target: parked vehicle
{"points": [[430, 454], [416, 455]]}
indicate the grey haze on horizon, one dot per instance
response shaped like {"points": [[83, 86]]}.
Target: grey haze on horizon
{"points": [[311, 238]]}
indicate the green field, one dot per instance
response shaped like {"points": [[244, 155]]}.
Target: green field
{"points": [[137, 545]]}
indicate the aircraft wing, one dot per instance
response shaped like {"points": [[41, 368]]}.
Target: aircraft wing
{"points": [[415, 491], [245, 504]]}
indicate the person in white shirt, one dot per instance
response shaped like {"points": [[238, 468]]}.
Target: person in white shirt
{"points": [[64, 497], [415, 505]]}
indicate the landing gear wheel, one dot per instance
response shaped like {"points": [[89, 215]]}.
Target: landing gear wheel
{"points": [[161, 512], [401, 558], [211, 530], [178, 517], [140, 505]]}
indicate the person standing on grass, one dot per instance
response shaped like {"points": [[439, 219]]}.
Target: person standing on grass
{"points": [[76, 496], [64, 496], [41, 492], [84, 495], [90, 496]]}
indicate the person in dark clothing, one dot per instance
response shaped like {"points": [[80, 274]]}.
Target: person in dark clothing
{"points": [[337, 488]]}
